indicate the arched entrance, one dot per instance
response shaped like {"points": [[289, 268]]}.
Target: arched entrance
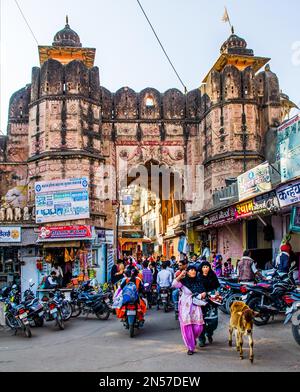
{"points": [[151, 208]]}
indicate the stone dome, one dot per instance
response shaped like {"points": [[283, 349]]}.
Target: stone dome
{"points": [[67, 37], [236, 45]]}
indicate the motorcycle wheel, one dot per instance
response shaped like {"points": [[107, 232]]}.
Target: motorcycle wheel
{"points": [[262, 319], [39, 322], [103, 315], [66, 310], [60, 321], [10, 320], [296, 328], [27, 331], [166, 308], [76, 310], [131, 330], [230, 300], [223, 306]]}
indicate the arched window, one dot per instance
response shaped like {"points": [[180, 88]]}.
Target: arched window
{"points": [[149, 102]]}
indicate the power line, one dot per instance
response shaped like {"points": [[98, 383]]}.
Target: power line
{"points": [[26, 21], [161, 45]]}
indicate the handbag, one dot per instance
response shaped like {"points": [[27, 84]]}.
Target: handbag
{"points": [[198, 301]]}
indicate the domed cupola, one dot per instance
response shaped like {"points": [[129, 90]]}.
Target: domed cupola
{"points": [[67, 37], [236, 45]]}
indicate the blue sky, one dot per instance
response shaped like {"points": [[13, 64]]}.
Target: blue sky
{"points": [[127, 52]]}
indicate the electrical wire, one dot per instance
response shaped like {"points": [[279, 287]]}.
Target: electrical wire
{"points": [[27, 23], [161, 45]]}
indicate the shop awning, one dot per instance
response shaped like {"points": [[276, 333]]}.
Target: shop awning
{"points": [[68, 244], [123, 241]]}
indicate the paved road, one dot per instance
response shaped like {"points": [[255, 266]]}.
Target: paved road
{"points": [[93, 345]]}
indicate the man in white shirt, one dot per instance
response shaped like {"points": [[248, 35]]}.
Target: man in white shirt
{"points": [[164, 277]]}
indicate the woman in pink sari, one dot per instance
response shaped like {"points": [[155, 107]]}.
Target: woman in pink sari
{"points": [[190, 315]]}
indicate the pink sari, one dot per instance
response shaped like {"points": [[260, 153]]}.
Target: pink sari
{"points": [[190, 317]]}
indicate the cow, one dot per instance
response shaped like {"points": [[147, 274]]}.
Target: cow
{"points": [[241, 321]]}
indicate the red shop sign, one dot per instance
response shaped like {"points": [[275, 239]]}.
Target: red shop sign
{"points": [[65, 232]]}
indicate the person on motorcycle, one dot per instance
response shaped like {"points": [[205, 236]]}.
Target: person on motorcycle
{"points": [[210, 283], [147, 278], [164, 279], [131, 275]]}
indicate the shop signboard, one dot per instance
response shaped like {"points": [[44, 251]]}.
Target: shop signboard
{"points": [[224, 216], [288, 149], [289, 194], [295, 220], [258, 205], [62, 200], [127, 200], [133, 235], [109, 237], [254, 182], [65, 233], [10, 234]]}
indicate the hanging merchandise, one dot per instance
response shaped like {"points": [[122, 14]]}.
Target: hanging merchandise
{"points": [[49, 258], [72, 255], [81, 258], [39, 265], [67, 256]]}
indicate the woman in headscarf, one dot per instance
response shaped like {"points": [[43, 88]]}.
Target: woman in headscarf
{"points": [[190, 315], [210, 283], [218, 265]]}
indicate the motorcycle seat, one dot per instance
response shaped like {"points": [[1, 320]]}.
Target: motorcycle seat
{"points": [[265, 286]]}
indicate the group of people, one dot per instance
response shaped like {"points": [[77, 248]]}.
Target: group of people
{"points": [[191, 281], [186, 279]]}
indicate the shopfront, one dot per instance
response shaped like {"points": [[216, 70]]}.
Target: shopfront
{"points": [[70, 248], [10, 263], [222, 234], [258, 230], [289, 199]]}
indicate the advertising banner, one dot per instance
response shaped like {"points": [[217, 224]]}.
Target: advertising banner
{"points": [[62, 200], [295, 220], [258, 205], [289, 194], [65, 233], [219, 218], [288, 149], [10, 234], [254, 182]]}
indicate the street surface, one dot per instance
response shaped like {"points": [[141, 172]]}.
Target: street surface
{"points": [[105, 346]]}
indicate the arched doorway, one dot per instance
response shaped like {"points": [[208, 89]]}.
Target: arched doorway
{"points": [[151, 210]]}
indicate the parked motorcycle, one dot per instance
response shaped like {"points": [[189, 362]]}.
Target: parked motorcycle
{"points": [[16, 317], [65, 305], [293, 315], [52, 310], [270, 299], [34, 307], [85, 300], [230, 293]]}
